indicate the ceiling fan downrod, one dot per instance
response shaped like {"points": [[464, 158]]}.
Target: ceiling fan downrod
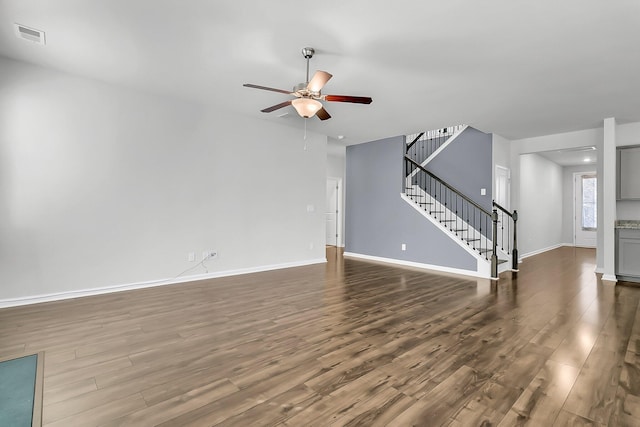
{"points": [[308, 52]]}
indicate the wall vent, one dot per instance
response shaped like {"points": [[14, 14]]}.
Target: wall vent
{"points": [[30, 34]]}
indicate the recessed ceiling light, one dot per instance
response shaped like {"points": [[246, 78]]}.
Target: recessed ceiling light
{"points": [[586, 159], [340, 136]]}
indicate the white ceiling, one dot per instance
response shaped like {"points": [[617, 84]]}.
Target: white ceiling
{"points": [[573, 156], [516, 68]]}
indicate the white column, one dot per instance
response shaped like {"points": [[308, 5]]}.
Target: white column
{"points": [[609, 199]]}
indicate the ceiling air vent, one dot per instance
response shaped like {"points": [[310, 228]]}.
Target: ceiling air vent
{"points": [[29, 34]]}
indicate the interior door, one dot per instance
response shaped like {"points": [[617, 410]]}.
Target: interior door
{"points": [[503, 187], [586, 211], [332, 212]]}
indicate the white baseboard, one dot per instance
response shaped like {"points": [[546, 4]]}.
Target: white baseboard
{"points": [[14, 302], [437, 268], [539, 251], [610, 277]]}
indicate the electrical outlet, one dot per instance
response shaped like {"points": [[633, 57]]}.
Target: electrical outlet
{"points": [[191, 256], [210, 254], [404, 247]]}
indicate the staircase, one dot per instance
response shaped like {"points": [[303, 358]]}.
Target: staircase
{"points": [[490, 235]]}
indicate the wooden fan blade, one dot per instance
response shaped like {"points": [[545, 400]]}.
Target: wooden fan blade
{"points": [[346, 98], [288, 92], [322, 114], [319, 79], [276, 107]]}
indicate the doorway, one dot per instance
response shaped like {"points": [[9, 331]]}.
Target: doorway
{"points": [[585, 218], [503, 187], [333, 212]]}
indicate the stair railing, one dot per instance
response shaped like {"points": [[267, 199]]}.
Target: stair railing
{"points": [[472, 223], [508, 232], [424, 144]]}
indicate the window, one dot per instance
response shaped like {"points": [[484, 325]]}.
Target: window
{"points": [[589, 203]]}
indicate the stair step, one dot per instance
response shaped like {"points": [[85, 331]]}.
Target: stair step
{"points": [[461, 230], [432, 212], [484, 251], [447, 220], [472, 240], [502, 261], [426, 203]]}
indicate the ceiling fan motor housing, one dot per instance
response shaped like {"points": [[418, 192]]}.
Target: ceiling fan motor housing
{"points": [[301, 90]]}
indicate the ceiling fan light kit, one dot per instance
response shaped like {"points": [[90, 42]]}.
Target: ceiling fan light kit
{"points": [[308, 94], [306, 107]]}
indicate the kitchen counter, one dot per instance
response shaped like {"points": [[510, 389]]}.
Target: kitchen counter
{"points": [[628, 224]]}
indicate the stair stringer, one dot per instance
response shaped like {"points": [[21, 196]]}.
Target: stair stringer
{"points": [[483, 267]]}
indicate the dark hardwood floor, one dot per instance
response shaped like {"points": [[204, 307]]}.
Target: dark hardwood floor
{"points": [[347, 343]]}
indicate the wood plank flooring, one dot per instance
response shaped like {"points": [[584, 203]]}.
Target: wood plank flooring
{"points": [[349, 343]]}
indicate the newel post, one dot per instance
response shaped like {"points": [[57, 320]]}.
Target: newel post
{"points": [[514, 253], [494, 255]]}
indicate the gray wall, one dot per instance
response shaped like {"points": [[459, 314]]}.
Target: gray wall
{"points": [[378, 221], [467, 165]]}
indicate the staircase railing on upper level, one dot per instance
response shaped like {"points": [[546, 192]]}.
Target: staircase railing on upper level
{"points": [[466, 219], [422, 145]]}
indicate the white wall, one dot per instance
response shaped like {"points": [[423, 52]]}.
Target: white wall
{"points": [[540, 214], [101, 186], [561, 141], [501, 151], [568, 200]]}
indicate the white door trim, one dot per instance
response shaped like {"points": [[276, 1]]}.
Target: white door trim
{"points": [[339, 209], [507, 173], [576, 175]]}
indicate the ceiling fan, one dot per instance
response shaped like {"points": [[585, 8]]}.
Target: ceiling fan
{"points": [[307, 95]]}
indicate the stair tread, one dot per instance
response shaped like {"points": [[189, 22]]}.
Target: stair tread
{"points": [[472, 240], [447, 220]]}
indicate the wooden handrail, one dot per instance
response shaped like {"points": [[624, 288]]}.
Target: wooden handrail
{"points": [[502, 209]]}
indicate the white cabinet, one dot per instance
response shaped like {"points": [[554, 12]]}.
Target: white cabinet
{"points": [[628, 173]]}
